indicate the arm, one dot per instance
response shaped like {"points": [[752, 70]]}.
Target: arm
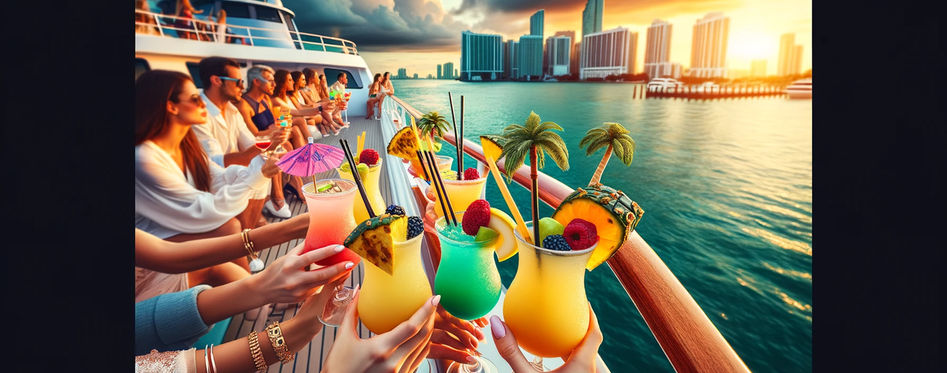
{"points": [[163, 195], [179, 257], [246, 141], [247, 113]]}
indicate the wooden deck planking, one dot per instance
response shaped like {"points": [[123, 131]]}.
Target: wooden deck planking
{"points": [[310, 357]]}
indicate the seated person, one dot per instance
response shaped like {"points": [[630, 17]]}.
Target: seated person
{"points": [[299, 99], [308, 119], [181, 195], [324, 91], [373, 97]]}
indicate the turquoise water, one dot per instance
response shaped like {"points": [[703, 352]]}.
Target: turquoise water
{"points": [[727, 191]]}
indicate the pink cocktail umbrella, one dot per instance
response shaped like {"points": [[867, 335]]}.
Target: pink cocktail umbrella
{"points": [[311, 159]]}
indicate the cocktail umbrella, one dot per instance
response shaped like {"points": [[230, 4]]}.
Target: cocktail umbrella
{"points": [[311, 159]]}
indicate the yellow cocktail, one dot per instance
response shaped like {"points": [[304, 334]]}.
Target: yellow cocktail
{"points": [[388, 300], [462, 193], [370, 182], [545, 307]]}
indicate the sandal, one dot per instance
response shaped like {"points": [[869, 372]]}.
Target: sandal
{"points": [[289, 189]]}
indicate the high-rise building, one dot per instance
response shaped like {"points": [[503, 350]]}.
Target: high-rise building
{"points": [[790, 55], [573, 50], [530, 61], [558, 55], [429, 76], [657, 53], [448, 72], [511, 67], [481, 56], [456, 75], [536, 23], [415, 75], [709, 46], [439, 76], [592, 17], [758, 68], [576, 55], [610, 52]]}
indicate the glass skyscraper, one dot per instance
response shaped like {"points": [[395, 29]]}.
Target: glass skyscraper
{"points": [[536, 23], [592, 17], [709, 46], [481, 56]]}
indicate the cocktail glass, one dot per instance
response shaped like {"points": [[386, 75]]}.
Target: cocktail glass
{"points": [[330, 221], [545, 306], [462, 192], [443, 163], [263, 142], [388, 300], [467, 281], [370, 182]]}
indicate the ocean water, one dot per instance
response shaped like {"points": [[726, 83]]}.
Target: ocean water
{"points": [[726, 187]]}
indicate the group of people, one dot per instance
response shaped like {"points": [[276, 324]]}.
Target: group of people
{"points": [[380, 87], [184, 25], [200, 184]]}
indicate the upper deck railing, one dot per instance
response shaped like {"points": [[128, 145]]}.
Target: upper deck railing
{"points": [[202, 30], [689, 339]]}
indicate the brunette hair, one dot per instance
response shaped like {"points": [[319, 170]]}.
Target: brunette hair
{"points": [[311, 76], [211, 66], [153, 90], [280, 78], [296, 75], [323, 88]]}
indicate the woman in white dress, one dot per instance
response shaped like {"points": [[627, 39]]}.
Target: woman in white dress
{"points": [[180, 195], [310, 118]]}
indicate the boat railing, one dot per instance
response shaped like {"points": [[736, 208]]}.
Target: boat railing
{"points": [[203, 30], [688, 338]]}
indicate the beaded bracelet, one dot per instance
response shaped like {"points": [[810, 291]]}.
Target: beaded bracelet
{"points": [[256, 352], [278, 342]]}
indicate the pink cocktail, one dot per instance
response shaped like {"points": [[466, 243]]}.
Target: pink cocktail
{"points": [[330, 218]]}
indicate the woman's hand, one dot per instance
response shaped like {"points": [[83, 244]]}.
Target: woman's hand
{"points": [[286, 280], [278, 137], [582, 358], [269, 168], [400, 350], [455, 339]]}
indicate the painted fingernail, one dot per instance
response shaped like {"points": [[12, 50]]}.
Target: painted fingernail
{"points": [[471, 360], [436, 300], [497, 327], [339, 248], [349, 265]]}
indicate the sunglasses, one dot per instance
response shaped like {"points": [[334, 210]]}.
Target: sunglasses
{"points": [[238, 81], [194, 99]]}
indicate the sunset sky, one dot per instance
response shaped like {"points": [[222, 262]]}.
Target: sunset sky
{"points": [[419, 34]]}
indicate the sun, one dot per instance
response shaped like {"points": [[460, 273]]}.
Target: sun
{"points": [[750, 46]]}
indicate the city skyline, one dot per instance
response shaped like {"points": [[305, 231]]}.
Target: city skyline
{"points": [[755, 29]]}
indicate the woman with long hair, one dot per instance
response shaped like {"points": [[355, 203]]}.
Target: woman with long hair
{"points": [[186, 12], [373, 97], [301, 98], [180, 195], [312, 117]]}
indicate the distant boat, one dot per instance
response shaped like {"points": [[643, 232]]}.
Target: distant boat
{"points": [[800, 89]]}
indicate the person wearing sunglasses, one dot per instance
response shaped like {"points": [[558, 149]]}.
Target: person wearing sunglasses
{"points": [[226, 138], [180, 194]]}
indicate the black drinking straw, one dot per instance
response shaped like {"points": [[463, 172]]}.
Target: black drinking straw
{"points": [[421, 161], [460, 141], [437, 175], [356, 176], [454, 123], [437, 189]]}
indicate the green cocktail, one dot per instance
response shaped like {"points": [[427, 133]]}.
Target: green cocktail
{"points": [[467, 278]]}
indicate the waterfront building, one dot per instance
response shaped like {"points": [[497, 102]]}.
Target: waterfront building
{"points": [[448, 72], [429, 76], [790, 55], [576, 55], [439, 76], [558, 55], [456, 75], [415, 75], [657, 53], [511, 67], [610, 52], [709, 46], [592, 17], [530, 61], [402, 73], [676, 70], [536, 23], [758, 68], [481, 56]]}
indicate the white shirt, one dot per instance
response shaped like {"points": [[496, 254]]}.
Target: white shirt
{"points": [[339, 87], [224, 133], [167, 203]]}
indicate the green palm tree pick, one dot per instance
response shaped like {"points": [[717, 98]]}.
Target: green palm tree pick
{"points": [[534, 139], [614, 138]]}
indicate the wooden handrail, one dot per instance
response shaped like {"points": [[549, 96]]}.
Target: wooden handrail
{"points": [[689, 339]]}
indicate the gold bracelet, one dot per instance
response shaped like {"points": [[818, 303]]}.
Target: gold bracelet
{"points": [[279, 344], [247, 244], [256, 352]]}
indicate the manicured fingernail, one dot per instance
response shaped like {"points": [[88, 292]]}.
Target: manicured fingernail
{"points": [[471, 360], [349, 265], [497, 327], [339, 248], [436, 300]]}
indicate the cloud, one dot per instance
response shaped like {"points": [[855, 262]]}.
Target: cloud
{"points": [[379, 25]]}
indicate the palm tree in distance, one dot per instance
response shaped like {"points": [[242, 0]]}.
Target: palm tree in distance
{"points": [[534, 139], [614, 138]]}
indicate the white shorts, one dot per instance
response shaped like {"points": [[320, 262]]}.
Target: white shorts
{"points": [[263, 191]]}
